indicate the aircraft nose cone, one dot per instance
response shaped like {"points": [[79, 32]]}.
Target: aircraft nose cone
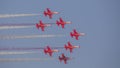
{"points": [[56, 50], [69, 22], [56, 12], [77, 46], [48, 24], [82, 34]]}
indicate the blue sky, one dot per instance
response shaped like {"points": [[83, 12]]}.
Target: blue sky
{"points": [[99, 19]]}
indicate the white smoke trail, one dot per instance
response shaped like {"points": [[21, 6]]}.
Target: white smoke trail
{"points": [[29, 36], [14, 53], [16, 15], [15, 27], [24, 59]]}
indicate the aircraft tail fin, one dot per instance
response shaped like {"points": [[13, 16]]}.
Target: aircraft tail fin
{"points": [[45, 13], [45, 51], [71, 34], [65, 47], [60, 59], [37, 26], [57, 22]]}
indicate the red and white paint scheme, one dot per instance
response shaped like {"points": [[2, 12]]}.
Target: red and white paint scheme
{"points": [[76, 34], [70, 47], [62, 22], [64, 58], [42, 25], [49, 50], [49, 13]]}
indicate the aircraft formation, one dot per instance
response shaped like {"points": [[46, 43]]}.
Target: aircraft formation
{"points": [[50, 50]]}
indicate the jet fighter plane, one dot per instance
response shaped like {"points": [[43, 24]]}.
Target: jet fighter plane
{"points": [[70, 47], [49, 13], [49, 50], [76, 34], [42, 25], [62, 22], [64, 58]]}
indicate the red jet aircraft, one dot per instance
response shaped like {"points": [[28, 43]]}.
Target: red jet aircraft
{"points": [[41, 25], [64, 58], [49, 13], [62, 23], [76, 34], [70, 47], [49, 50]]}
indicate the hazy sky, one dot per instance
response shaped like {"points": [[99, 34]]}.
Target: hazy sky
{"points": [[99, 19]]}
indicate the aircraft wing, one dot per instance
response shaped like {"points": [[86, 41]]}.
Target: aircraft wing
{"points": [[50, 53], [50, 16], [48, 48], [61, 20], [62, 26], [65, 61], [42, 28], [41, 22], [69, 44], [48, 10], [76, 37], [71, 50], [75, 31]]}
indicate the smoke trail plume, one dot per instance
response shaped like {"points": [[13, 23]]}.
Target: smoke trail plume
{"points": [[16, 15], [29, 36], [15, 27], [24, 59], [14, 53], [37, 48]]}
